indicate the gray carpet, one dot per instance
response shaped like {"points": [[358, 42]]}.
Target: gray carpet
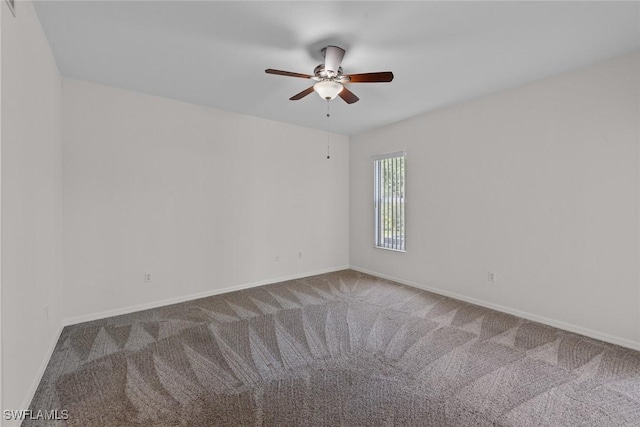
{"points": [[336, 349]]}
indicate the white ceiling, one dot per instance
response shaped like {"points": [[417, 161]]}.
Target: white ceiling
{"points": [[215, 53]]}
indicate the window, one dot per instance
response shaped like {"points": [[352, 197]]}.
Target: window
{"points": [[389, 177]]}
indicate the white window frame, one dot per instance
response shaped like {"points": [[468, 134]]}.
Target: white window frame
{"points": [[398, 241]]}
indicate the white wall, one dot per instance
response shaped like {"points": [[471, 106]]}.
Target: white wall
{"points": [[201, 198], [31, 203], [539, 184]]}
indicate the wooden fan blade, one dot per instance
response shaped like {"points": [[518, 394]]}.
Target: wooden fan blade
{"points": [[287, 73], [302, 94], [348, 96], [381, 77]]}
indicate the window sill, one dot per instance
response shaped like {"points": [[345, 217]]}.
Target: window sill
{"points": [[390, 249]]}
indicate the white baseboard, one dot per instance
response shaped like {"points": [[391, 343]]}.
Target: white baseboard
{"points": [[183, 298], [36, 381], [623, 342]]}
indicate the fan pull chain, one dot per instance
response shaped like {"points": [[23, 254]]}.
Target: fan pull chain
{"points": [[328, 131]]}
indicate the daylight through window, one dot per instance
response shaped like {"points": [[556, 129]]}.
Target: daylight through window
{"points": [[389, 175]]}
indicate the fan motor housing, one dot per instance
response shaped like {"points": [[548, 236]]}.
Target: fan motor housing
{"points": [[320, 72]]}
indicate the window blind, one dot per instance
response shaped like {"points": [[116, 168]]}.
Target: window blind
{"points": [[389, 200]]}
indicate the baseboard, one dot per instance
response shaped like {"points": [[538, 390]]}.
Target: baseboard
{"points": [[623, 342], [36, 381], [184, 298]]}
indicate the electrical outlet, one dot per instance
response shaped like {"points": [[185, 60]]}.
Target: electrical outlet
{"points": [[147, 277], [277, 258], [491, 277], [299, 254]]}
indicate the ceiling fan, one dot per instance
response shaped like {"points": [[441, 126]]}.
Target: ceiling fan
{"points": [[330, 79]]}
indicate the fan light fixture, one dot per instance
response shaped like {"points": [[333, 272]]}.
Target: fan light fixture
{"points": [[328, 89], [330, 77]]}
